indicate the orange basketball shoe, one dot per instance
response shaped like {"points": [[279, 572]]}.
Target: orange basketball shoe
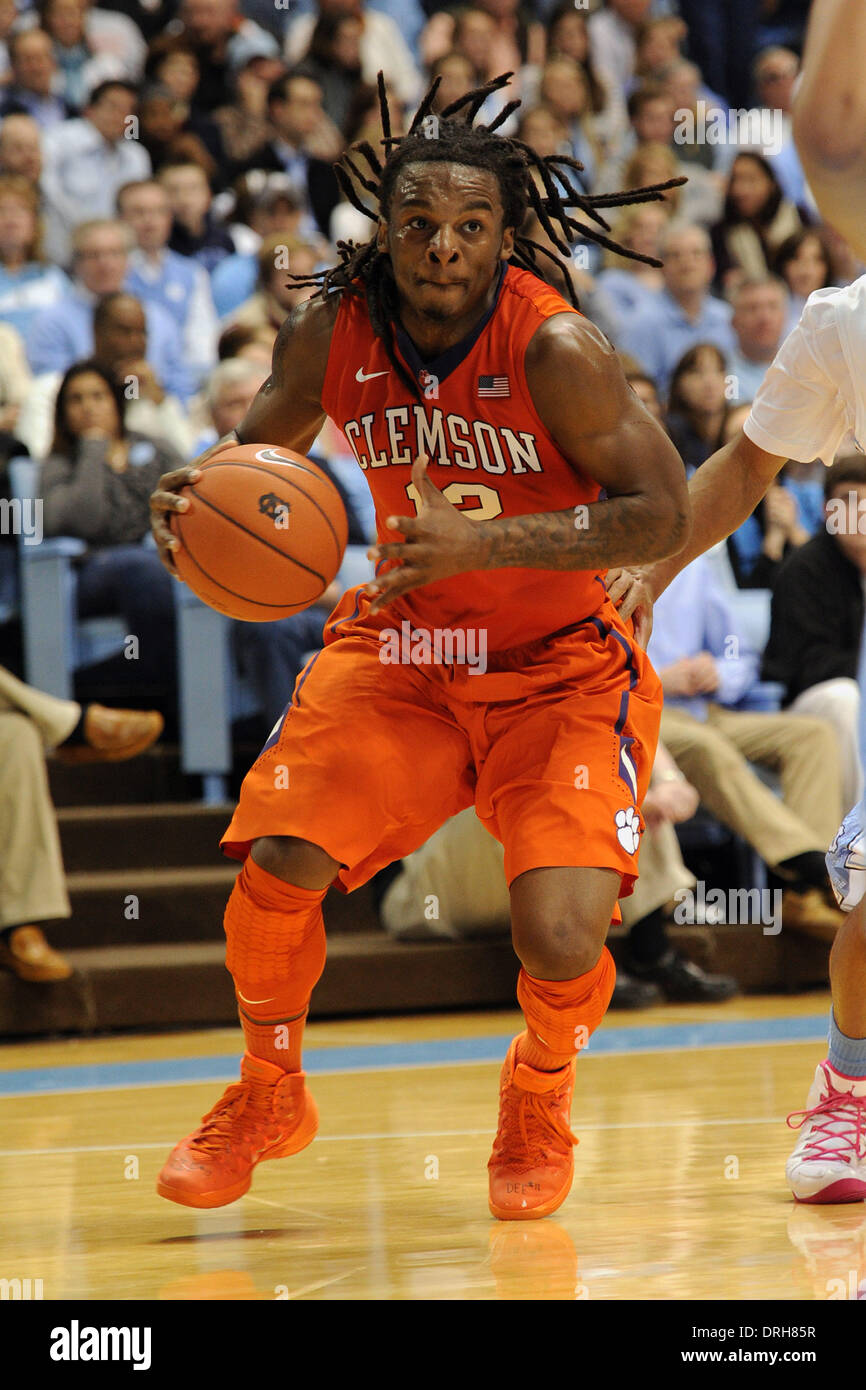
{"points": [[268, 1114], [532, 1163]]}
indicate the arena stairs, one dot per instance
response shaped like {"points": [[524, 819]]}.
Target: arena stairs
{"points": [[148, 886]]}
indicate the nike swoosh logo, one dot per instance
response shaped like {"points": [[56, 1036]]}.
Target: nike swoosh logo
{"points": [[255, 1001], [361, 375]]}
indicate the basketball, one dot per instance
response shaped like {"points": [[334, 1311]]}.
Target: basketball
{"points": [[264, 534]]}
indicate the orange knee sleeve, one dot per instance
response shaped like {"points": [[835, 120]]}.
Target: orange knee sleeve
{"points": [[275, 939]]}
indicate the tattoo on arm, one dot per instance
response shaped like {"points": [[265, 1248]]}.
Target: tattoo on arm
{"points": [[617, 531]]}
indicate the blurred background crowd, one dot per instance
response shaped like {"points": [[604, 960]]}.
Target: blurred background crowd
{"points": [[163, 163]]}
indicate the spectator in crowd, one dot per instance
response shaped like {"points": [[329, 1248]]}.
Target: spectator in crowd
{"points": [[219, 35], [565, 91], [334, 60], [817, 618], [87, 160], [688, 97], [544, 130], [276, 207], [253, 344], [775, 74], [613, 35], [32, 86], [756, 219], [568, 34], [21, 147], [32, 882], [62, 334], [457, 76], [381, 45], [758, 548], [461, 868], [169, 133], [120, 346], [15, 378], [295, 110], [705, 669], [698, 404], [760, 322], [96, 485], [686, 312], [158, 275], [229, 392], [195, 232], [243, 122], [698, 200], [81, 63], [633, 285], [28, 283], [803, 261], [278, 259], [659, 47], [8, 21]]}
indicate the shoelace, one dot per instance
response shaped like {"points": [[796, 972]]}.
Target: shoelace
{"points": [[219, 1130], [842, 1134], [538, 1119]]}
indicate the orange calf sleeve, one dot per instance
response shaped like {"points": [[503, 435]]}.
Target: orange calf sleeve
{"points": [[561, 1014], [275, 939]]}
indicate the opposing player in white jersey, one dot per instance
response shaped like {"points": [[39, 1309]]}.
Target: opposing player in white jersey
{"points": [[812, 396]]}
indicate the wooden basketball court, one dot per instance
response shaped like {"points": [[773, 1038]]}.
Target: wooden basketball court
{"points": [[679, 1190]]}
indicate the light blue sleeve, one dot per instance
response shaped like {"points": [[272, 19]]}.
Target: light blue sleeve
{"points": [[736, 665]]}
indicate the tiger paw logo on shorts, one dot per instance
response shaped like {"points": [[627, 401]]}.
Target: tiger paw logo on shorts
{"points": [[628, 829]]}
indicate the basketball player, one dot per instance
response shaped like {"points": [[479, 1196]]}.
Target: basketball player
{"points": [[812, 396], [487, 416]]}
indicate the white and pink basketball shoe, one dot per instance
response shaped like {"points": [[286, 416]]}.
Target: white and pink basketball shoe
{"points": [[829, 1161]]}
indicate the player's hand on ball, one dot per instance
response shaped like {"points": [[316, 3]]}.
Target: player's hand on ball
{"points": [[440, 542], [167, 500], [629, 590]]}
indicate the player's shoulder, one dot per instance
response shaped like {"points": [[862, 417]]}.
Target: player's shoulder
{"points": [[567, 339], [833, 306], [309, 327]]}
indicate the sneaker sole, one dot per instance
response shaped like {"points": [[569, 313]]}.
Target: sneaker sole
{"points": [[845, 1190], [223, 1196]]}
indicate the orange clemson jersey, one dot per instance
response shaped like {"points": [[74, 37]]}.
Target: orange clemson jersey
{"points": [[490, 455]]}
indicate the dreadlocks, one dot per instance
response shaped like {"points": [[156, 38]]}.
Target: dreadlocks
{"points": [[526, 182]]}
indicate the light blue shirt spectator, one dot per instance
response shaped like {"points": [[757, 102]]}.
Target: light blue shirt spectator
{"points": [[660, 333], [693, 615], [626, 294], [63, 334], [83, 171], [26, 292], [181, 287], [232, 282], [745, 377]]}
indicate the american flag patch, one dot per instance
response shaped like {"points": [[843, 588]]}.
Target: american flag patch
{"points": [[493, 386]]}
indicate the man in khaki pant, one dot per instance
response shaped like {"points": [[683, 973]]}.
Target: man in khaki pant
{"points": [[32, 882], [705, 669], [454, 886]]}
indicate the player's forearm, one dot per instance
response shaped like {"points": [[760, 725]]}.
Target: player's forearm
{"points": [[723, 492], [618, 531], [829, 116], [830, 107]]}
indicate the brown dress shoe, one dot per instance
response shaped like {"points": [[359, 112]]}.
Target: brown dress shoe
{"points": [[113, 735], [810, 914], [27, 954]]}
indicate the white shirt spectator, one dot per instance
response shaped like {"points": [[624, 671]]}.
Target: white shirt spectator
{"points": [[81, 177], [382, 47], [810, 398], [167, 422]]}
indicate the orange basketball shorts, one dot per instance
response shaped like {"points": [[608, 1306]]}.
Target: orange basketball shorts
{"points": [[553, 743]]}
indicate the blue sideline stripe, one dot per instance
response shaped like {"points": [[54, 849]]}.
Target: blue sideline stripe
{"points": [[673, 1037]]}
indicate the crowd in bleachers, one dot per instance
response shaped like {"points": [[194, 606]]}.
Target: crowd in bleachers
{"points": [[164, 164]]}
